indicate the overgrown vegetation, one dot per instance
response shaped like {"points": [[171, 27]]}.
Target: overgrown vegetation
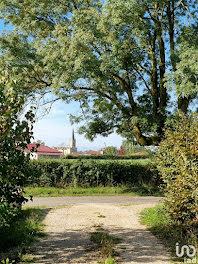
{"points": [[16, 239], [105, 244], [161, 225], [92, 173], [177, 162], [15, 134]]}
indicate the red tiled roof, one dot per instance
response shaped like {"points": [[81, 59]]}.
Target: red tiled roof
{"points": [[43, 150], [93, 152], [90, 152]]}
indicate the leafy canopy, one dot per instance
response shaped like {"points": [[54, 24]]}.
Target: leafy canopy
{"points": [[110, 56]]}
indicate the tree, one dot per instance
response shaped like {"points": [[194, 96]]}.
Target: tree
{"points": [[111, 56], [15, 134], [40, 142], [110, 150], [186, 74], [121, 151], [128, 146]]}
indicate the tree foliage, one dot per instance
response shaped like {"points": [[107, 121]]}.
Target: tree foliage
{"points": [[110, 150], [15, 134], [110, 56]]}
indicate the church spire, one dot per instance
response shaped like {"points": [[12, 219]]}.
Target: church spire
{"points": [[72, 140]]}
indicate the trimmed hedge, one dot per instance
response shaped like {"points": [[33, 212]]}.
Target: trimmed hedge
{"points": [[108, 157], [62, 173]]}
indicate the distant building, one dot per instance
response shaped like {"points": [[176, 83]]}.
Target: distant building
{"points": [[89, 153], [42, 152], [71, 149]]}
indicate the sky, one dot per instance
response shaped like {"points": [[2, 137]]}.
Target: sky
{"points": [[55, 128]]}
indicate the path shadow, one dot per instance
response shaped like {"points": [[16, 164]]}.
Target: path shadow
{"points": [[137, 246], [140, 246], [68, 247]]}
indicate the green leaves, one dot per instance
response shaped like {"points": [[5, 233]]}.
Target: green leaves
{"points": [[178, 164], [110, 56], [15, 134], [90, 172]]}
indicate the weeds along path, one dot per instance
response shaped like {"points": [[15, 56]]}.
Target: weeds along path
{"points": [[68, 235]]}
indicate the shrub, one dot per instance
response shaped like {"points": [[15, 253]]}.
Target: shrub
{"points": [[7, 214], [178, 164], [15, 134], [61, 173]]}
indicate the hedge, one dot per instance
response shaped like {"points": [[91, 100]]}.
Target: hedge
{"points": [[62, 173], [109, 157]]}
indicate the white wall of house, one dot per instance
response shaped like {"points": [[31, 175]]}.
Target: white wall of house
{"points": [[33, 155]]}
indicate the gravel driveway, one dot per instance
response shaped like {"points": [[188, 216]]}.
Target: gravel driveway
{"points": [[59, 201], [68, 230]]}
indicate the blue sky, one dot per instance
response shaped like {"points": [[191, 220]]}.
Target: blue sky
{"points": [[55, 128]]}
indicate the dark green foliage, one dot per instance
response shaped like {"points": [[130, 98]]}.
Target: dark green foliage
{"points": [[15, 134], [178, 164], [61, 173], [108, 157], [7, 214], [26, 228]]}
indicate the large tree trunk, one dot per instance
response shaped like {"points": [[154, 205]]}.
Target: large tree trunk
{"points": [[143, 140]]}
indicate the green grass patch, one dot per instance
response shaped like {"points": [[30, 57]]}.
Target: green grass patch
{"points": [[105, 245], [101, 216], [15, 240], [160, 225], [91, 191]]}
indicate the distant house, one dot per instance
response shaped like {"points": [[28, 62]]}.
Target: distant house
{"points": [[88, 153], [42, 152]]}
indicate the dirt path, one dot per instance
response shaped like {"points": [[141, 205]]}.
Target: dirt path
{"points": [[57, 201], [68, 229]]}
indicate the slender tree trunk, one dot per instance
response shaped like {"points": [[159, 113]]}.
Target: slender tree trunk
{"points": [[154, 78], [183, 102], [162, 89]]}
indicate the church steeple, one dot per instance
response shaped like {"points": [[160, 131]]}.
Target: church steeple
{"points": [[73, 141]]}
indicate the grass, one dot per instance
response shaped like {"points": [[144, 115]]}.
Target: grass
{"points": [[160, 225], [101, 216], [105, 244], [92, 191], [16, 239]]}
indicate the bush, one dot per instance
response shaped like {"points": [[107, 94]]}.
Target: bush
{"points": [[61, 173], [178, 164], [15, 134], [7, 214]]}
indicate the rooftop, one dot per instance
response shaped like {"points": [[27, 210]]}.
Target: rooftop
{"points": [[42, 150]]}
